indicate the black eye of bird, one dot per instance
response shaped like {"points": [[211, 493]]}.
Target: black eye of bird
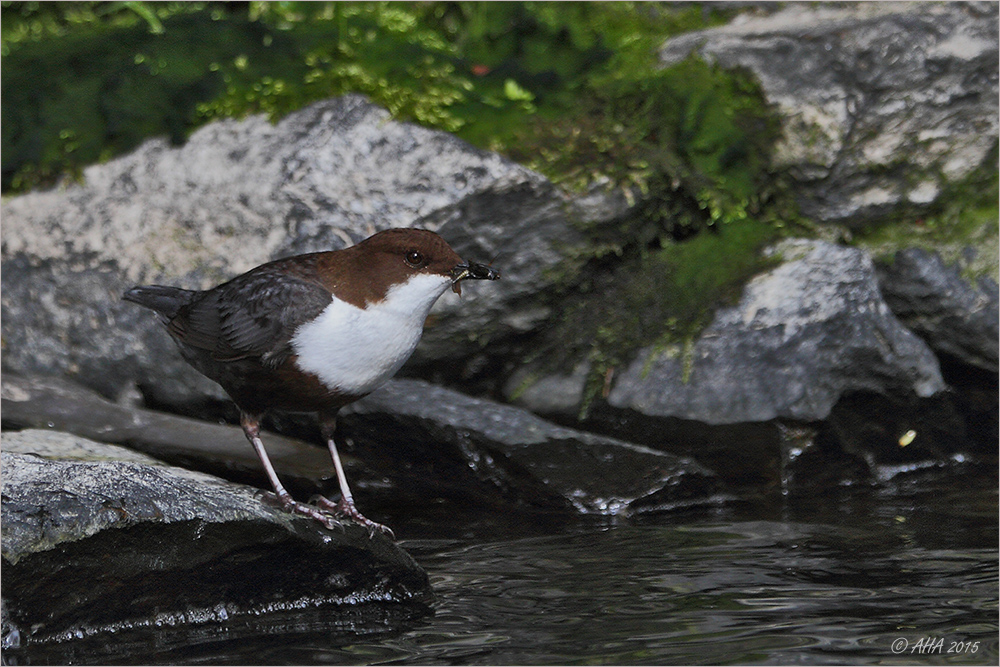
{"points": [[414, 258]]}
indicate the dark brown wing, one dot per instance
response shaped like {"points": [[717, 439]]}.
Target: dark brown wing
{"points": [[253, 315]]}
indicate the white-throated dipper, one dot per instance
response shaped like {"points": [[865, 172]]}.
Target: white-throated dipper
{"points": [[312, 333]]}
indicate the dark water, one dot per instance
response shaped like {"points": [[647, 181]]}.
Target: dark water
{"points": [[859, 576]]}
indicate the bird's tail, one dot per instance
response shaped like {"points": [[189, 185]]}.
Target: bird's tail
{"points": [[167, 301]]}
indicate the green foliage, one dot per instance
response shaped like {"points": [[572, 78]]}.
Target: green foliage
{"points": [[79, 91], [377, 49], [111, 74]]}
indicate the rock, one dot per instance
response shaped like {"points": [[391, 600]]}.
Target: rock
{"points": [[101, 541], [417, 441], [240, 193], [882, 103], [525, 459], [957, 317], [802, 336], [549, 394], [55, 403], [69, 447]]}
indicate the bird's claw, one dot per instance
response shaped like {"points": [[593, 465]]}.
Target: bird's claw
{"points": [[347, 509], [293, 507]]}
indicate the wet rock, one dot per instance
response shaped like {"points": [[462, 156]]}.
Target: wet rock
{"points": [[747, 457], [240, 193], [882, 103], [102, 540], [525, 460], [956, 316]]}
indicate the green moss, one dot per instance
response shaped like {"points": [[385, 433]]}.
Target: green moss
{"points": [[692, 128], [695, 141], [109, 86], [113, 74], [965, 214], [651, 296]]}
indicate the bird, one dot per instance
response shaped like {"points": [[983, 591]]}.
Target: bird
{"points": [[313, 333]]}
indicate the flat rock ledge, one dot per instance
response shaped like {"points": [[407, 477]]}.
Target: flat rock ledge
{"points": [[414, 441], [41, 402], [99, 539]]}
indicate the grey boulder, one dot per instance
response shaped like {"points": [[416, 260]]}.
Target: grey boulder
{"points": [[882, 103], [802, 335], [98, 539]]}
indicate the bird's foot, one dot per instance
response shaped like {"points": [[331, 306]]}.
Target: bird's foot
{"points": [[347, 509], [291, 506]]}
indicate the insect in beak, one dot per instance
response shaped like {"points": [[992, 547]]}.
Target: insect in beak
{"points": [[472, 271]]}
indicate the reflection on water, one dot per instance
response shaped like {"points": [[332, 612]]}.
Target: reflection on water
{"points": [[821, 580]]}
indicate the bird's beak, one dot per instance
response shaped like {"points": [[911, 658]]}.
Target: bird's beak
{"points": [[472, 271]]}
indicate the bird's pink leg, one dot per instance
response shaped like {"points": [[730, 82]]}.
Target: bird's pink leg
{"points": [[251, 428], [345, 506]]}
